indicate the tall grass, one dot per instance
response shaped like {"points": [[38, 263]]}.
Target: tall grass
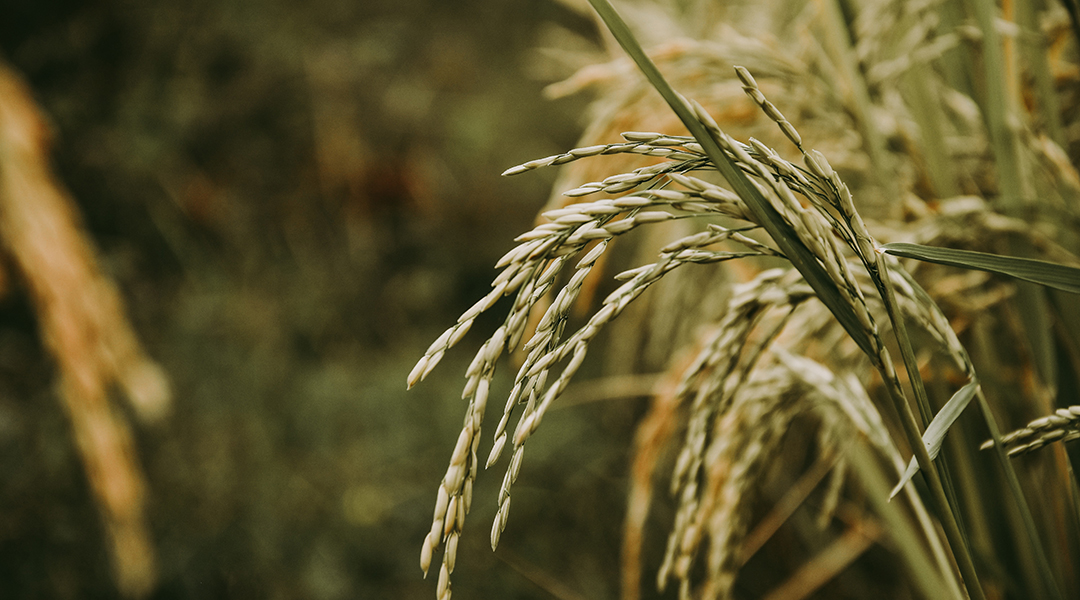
{"points": [[966, 177]]}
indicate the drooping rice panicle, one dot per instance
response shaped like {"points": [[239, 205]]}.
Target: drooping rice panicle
{"points": [[1062, 426], [740, 393]]}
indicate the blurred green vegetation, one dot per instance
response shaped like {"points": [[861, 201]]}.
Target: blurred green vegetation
{"points": [[295, 198]]}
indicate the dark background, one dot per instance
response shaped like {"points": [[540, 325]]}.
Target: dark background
{"points": [[295, 199]]}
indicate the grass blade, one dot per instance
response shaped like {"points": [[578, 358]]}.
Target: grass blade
{"points": [[1057, 276], [935, 433]]}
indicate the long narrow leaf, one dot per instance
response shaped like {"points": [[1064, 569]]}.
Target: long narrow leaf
{"points": [[1060, 277], [935, 432]]}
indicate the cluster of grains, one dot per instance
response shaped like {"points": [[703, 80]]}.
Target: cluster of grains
{"points": [[844, 405], [819, 183], [710, 386], [828, 193], [1062, 426], [778, 180], [530, 272], [675, 148], [903, 46], [742, 393], [746, 437], [738, 411], [722, 390], [835, 217], [547, 347], [922, 41]]}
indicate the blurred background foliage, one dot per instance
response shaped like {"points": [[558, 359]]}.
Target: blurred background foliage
{"points": [[294, 199]]}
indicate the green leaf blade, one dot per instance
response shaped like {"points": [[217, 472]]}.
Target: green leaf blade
{"points": [[1053, 275], [935, 432]]}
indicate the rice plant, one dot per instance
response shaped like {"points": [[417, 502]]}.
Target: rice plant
{"points": [[874, 313]]}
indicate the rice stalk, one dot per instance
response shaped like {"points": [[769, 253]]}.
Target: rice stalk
{"points": [[82, 324], [748, 382], [1062, 426]]}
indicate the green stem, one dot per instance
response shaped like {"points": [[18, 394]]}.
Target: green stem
{"points": [[1032, 44], [917, 87], [888, 295], [1034, 542], [997, 102], [911, 429]]}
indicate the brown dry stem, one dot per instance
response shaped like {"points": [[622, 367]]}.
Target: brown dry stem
{"points": [[84, 328]]}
